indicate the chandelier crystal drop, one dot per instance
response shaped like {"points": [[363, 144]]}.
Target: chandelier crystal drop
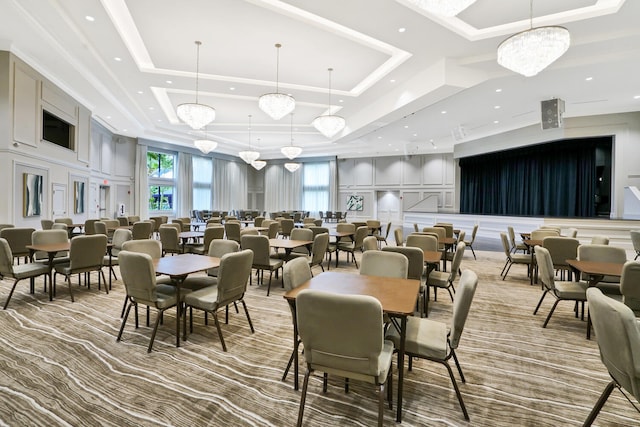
{"points": [[291, 151], [292, 167], [277, 105], [258, 164], [447, 8], [196, 115], [531, 51], [329, 124], [205, 145], [249, 156]]}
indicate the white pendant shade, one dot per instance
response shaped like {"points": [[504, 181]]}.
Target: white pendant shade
{"points": [[443, 7], [291, 151], [277, 105], [249, 156], [205, 145], [329, 125], [196, 116], [258, 164], [292, 167], [531, 51]]}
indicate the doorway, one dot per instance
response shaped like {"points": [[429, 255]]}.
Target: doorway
{"points": [[104, 202], [388, 206], [59, 205]]}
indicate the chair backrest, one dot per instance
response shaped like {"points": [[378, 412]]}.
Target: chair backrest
{"points": [[287, 226], [561, 249], [384, 264], [505, 245], [212, 233], [512, 236], [257, 221], [151, 247], [220, 247], [3, 226], [399, 236], [18, 239], [87, 251], [448, 228], [618, 339], [345, 228], [6, 258], [541, 233], [545, 267], [319, 248], [133, 219], [301, 234], [46, 224], [551, 227], [169, 239], [461, 305], [99, 227], [630, 285], [462, 235], [123, 220], [44, 237], [415, 256], [295, 273], [157, 222], [232, 229], [599, 240], [370, 243], [215, 222], [635, 240], [343, 332], [120, 236], [361, 233], [473, 234], [138, 275], [602, 253], [441, 232], [177, 226], [457, 260], [67, 221], [142, 230], [89, 228], [59, 226], [233, 275], [318, 230], [374, 225], [260, 247], [422, 241]]}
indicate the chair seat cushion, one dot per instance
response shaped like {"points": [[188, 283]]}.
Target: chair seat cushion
{"points": [[382, 370], [425, 338], [114, 260], [204, 299], [438, 278], [521, 258], [571, 290], [163, 301], [23, 271], [195, 283]]}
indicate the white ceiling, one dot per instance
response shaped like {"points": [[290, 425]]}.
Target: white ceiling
{"points": [[390, 86]]}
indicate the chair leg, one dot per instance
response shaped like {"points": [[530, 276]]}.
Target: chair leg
{"points": [[540, 302], [455, 387], [380, 404], [244, 304], [473, 252], [215, 318], [269, 287], [155, 329], [599, 404], [124, 319], [455, 359], [10, 294], [303, 396], [550, 313]]}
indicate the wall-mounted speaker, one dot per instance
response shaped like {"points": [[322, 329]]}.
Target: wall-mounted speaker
{"points": [[551, 112]]}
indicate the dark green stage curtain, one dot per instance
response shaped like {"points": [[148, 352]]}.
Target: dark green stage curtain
{"points": [[555, 179]]}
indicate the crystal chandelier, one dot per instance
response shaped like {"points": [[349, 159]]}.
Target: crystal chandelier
{"points": [[258, 164], [194, 114], [443, 7], [531, 51], [249, 156], [277, 105], [291, 151], [292, 167], [329, 124], [205, 145]]}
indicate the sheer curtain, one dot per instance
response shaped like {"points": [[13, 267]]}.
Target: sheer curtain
{"points": [[333, 185], [229, 185], [141, 187], [183, 185], [282, 189]]}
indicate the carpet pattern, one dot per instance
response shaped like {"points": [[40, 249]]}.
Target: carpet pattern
{"points": [[61, 365]]}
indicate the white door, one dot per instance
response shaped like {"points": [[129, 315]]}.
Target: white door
{"points": [[94, 202], [59, 204], [388, 207], [104, 210]]}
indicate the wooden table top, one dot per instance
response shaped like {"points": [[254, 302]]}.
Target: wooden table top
{"points": [[532, 242], [448, 240], [288, 243], [397, 296], [190, 234], [184, 264], [432, 257], [341, 233], [50, 247], [596, 267]]}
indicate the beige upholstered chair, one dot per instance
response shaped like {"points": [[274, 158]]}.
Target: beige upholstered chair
{"points": [[111, 224], [89, 228], [257, 221], [618, 338], [556, 228], [383, 237], [561, 249], [120, 236], [66, 221], [374, 226], [318, 250], [18, 239], [100, 227], [298, 234], [86, 254], [370, 243], [562, 291], [272, 233], [46, 224], [45, 237], [123, 221], [153, 248], [422, 241], [384, 264], [635, 240], [398, 234], [357, 351], [415, 268], [441, 232], [17, 272], [515, 246], [286, 225], [214, 221], [232, 230], [541, 233], [435, 341], [295, 273], [599, 240], [3, 226], [261, 256], [170, 240], [356, 244], [512, 258], [604, 253], [443, 279], [59, 226], [133, 219], [630, 286], [139, 280], [142, 230], [175, 225], [210, 234], [233, 273], [448, 228], [469, 243]]}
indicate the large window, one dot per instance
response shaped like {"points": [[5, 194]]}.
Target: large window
{"points": [[315, 186], [161, 172], [202, 173]]}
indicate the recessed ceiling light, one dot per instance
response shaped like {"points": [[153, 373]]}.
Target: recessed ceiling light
{"points": [[397, 149], [169, 82], [495, 122], [402, 30], [117, 58], [379, 137], [151, 108], [636, 97], [415, 134], [124, 130], [108, 117], [443, 111], [159, 120], [406, 126], [392, 80], [341, 100], [589, 79], [497, 107], [498, 90], [232, 88], [140, 92], [89, 18], [389, 145]]}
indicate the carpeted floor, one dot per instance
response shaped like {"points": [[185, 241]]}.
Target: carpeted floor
{"points": [[61, 365]]}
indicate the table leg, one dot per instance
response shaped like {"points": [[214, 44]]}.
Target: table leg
{"points": [[403, 333], [51, 256]]}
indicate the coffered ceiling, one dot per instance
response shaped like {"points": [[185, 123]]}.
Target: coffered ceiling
{"points": [[405, 81]]}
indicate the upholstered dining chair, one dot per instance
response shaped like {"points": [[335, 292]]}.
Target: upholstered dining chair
{"points": [[515, 246], [86, 254], [398, 235], [261, 257], [599, 240], [512, 258], [343, 335], [469, 243], [139, 279], [119, 237], [233, 274], [635, 240], [210, 234], [415, 269], [356, 244], [422, 241], [562, 291], [286, 225], [217, 248], [618, 337], [45, 237], [170, 240], [604, 253], [295, 273], [541, 233], [142, 230], [88, 227], [630, 286], [232, 230], [59, 226], [561, 249], [370, 243], [46, 224], [438, 342], [123, 221], [441, 232], [17, 272], [318, 250], [100, 227], [18, 239], [384, 264], [444, 280]]}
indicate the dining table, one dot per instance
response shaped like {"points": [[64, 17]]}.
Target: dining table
{"points": [[51, 249], [178, 267], [288, 245], [338, 235], [449, 243], [184, 237], [398, 298]]}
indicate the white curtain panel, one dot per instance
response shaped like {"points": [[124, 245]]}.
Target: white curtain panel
{"points": [[183, 185], [141, 203], [229, 185], [333, 185], [282, 189]]}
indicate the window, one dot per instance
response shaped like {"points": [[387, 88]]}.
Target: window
{"points": [[160, 170], [315, 186], [202, 173]]}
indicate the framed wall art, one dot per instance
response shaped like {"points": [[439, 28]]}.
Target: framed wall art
{"points": [[31, 194], [78, 197], [355, 203]]}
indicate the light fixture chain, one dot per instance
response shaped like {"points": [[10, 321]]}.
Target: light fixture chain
{"points": [[278, 67], [330, 70], [531, 13], [198, 43]]}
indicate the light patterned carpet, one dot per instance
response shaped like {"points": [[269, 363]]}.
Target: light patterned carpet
{"points": [[61, 365]]}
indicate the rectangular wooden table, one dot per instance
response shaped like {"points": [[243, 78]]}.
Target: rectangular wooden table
{"points": [[339, 235], [51, 249], [184, 236], [288, 245], [178, 267], [397, 296]]}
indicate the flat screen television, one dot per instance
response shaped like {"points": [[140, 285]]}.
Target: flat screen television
{"points": [[57, 131]]}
